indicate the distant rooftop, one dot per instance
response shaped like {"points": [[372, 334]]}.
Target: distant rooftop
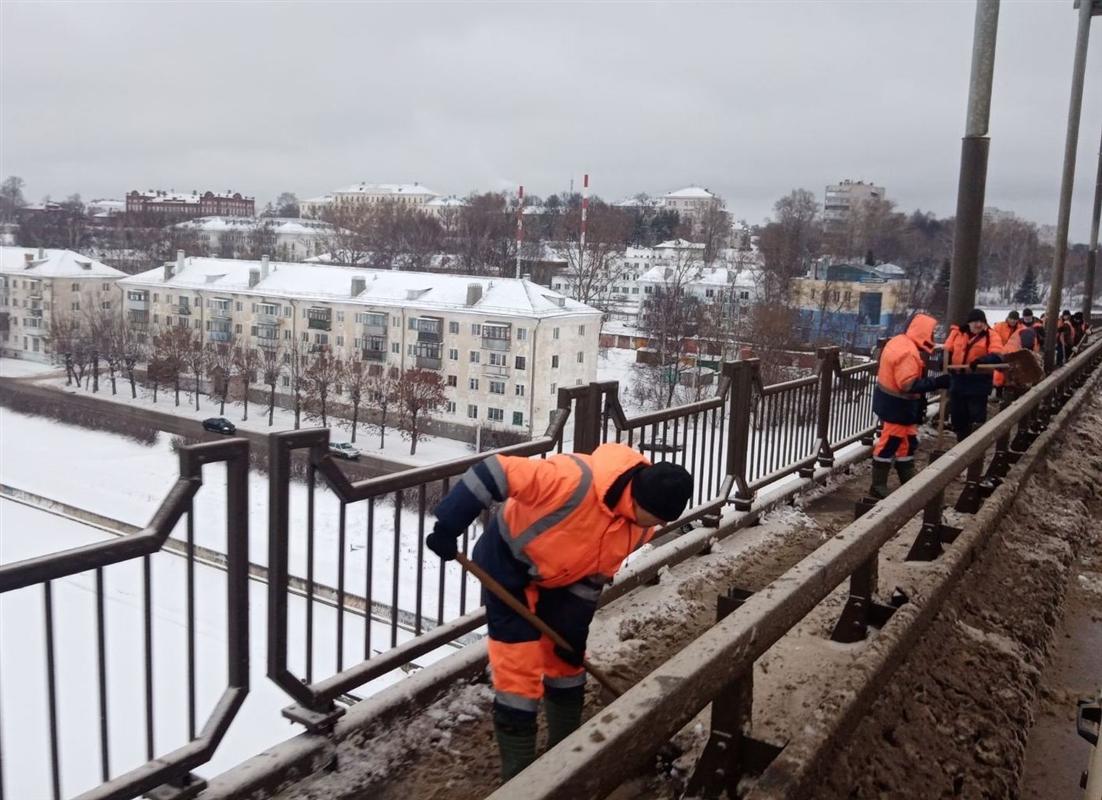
{"points": [[48, 263], [500, 296], [691, 192], [388, 188]]}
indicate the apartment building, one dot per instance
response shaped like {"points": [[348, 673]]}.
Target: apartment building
{"points": [[290, 238], [842, 199], [178, 205], [38, 284], [359, 194], [503, 346]]}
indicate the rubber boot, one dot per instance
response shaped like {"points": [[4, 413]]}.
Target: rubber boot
{"points": [[905, 470], [563, 708], [516, 740], [881, 470]]}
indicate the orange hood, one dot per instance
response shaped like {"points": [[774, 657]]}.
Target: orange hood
{"points": [[921, 331], [610, 461]]}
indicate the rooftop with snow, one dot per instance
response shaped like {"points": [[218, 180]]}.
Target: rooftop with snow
{"points": [[326, 283], [49, 263]]}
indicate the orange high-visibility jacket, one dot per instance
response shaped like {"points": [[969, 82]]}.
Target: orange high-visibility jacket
{"points": [[554, 516], [895, 398]]}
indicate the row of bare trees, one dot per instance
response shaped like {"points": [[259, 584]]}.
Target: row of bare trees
{"points": [[318, 384]]}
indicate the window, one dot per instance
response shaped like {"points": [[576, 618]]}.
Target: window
{"points": [[76, 286], [472, 384], [105, 306], [522, 334], [238, 305], [286, 381], [453, 354], [554, 362], [518, 417], [168, 320], [495, 414], [472, 412], [581, 329], [287, 311], [497, 359], [76, 305], [396, 348], [453, 327], [287, 335], [521, 362], [452, 381], [476, 329], [156, 318], [475, 356], [554, 333], [168, 299], [340, 340], [553, 390], [581, 357], [709, 293], [497, 387], [305, 336], [397, 322], [519, 390], [237, 328], [635, 290], [340, 316], [449, 407]]}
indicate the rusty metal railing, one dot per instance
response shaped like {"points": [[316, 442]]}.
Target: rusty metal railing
{"points": [[168, 772], [717, 668]]}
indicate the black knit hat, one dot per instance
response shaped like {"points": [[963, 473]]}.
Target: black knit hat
{"points": [[977, 315], [1027, 312], [1012, 315], [663, 489]]}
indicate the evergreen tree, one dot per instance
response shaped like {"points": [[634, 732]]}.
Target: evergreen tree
{"points": [[1028, 292]]}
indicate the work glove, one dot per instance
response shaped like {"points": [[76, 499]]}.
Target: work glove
{"points": [[573, 658], [442, 542]]}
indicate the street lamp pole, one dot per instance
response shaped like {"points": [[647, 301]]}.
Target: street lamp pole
{"points": [[1055, 294], [1092, 253], [973, 165]]}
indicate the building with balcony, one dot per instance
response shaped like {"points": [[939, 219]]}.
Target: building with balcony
{"points": [[842, 199], [502, 346], [39, 286]]}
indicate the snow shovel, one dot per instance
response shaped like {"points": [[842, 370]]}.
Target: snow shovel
{"points": [[942, 405], [1025, 368], [506, 597], [979, 367]]}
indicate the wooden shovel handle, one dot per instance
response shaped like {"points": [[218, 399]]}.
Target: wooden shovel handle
{"points": [[507, 597]]}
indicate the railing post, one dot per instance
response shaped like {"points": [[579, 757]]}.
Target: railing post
{"points": [[742, 374], [587, 419], [829, 366]]}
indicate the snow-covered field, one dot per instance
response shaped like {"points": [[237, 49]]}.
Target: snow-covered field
{"points": [[18, 368], [29, 532]]}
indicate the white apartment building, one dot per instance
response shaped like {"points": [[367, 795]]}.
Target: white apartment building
{"points": [[36, 285], [842, 198], [692, 202], [408, 194], [503, 346], [291, 238]]}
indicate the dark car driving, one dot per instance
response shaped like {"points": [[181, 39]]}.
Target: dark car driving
{"points": [[219, 425]]}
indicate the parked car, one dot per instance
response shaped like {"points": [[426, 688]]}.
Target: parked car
{"points": [[344, 450], [219, 425]]}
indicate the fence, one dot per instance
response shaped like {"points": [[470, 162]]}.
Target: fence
{"points": [[86, 571]]}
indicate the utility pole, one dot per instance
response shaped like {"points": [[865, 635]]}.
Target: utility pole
{"points": [[1092, 253], [972, 185], [1055, 293]]}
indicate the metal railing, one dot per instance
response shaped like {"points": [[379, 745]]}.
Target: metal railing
{"points": [[57, 573], [717, 667], [363, 542]]}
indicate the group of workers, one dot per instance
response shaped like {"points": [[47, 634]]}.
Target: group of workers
{"points": [[564, 525], [899, 399]]}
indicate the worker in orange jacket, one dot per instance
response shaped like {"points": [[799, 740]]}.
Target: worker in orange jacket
{"points": [[898, 400], [971, 346], [1009, 328], [563, 528]]}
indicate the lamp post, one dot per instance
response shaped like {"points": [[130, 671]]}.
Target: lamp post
{"points": [[1087, 8]]}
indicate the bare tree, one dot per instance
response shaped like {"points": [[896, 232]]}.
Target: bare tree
{"points": [[789, 244], [177, 345], [670, 316], [195, 357], [713, 229], [297, 363], [353, 238], [420, 392], [220, 365], [356, 382], [322, 374], [246, 365], [383, 393], [271, 368], [595, 270]]}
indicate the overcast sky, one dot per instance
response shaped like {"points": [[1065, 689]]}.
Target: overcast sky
{"points": [[748, 99]]}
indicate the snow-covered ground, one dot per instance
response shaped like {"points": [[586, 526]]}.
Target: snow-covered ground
{"points": [[29, 532], [18, 368], [127, 480], [430, 450]]}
